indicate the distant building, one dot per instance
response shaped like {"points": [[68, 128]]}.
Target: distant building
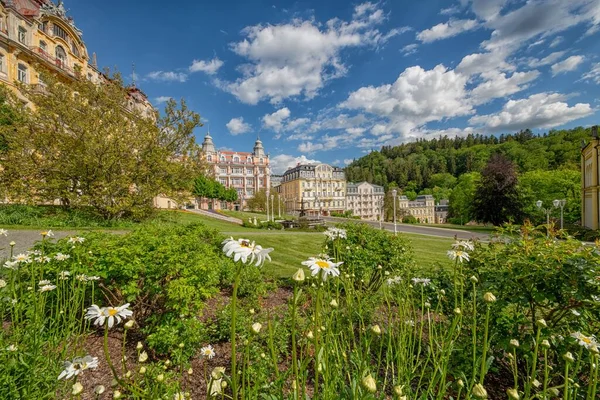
{"points": [[314, 189], [590, 182], [423, 208], [365, 200], [276, 180], [441, 212]]}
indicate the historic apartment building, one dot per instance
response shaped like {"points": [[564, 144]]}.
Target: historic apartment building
{"points": [[590, 182], [365, 200], [38, 34], [423, 208], [313, 189]]}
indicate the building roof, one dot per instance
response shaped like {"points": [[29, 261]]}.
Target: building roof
{"points": [[309, 167], [356, 184]]}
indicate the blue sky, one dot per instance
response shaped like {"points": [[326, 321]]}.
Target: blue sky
{"points": [[331, 80]]}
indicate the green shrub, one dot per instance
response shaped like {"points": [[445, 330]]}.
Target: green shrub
{"points": [[409, 219], [372, 255], [57, 217]]}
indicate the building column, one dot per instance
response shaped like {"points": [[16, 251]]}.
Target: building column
{"points": [[595, 204]]}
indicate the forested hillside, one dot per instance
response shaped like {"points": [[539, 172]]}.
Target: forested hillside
{"points": [[548, 167]]}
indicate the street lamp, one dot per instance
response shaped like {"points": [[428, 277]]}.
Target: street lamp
{"points": [[380, 204], [318, 205], [561, 204], [394, 193], [267, 192], [272, 208], [546, 211], [279, 206]]}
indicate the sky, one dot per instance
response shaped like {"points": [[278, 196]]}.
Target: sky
{"points": [[329, 81]]}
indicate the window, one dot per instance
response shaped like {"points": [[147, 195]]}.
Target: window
{"points": [[261, 160], [238, 170], [43, 46], [223, 170], [44, 26], [22, 35], [223, 181], [209, 158], [236, 159], [249, 171], [61, 56], [75, 50], [2, 63], [22, 73], [60, 32]]}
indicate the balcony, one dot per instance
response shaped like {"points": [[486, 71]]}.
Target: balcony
{"points": [[58, 63]]}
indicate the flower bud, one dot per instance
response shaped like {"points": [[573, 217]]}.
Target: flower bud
{"points": [[398, 390], [77, 388], [555, 392], [142, 370], [457, 311], [489, 298], [12, 244], [256, 327], [333, 303], [369, 384], [479, 391], [223, 384], [460, 383], [541, 323], [251, 311], [190, 371], [513, 394], [442, 292], [514, 342], [99, 389], [160, 378], [116, 394], [299, 275], [128, 374], [376, 329], [474, 279], [568, 357], [143, 357], [545, 344], [536, 383], [129, 324], [427, 304], [310, 335], [139, 346]]}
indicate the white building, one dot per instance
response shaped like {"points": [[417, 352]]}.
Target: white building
{"points": [[365, 200]]}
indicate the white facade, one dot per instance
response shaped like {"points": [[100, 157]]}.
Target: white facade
{"points": [[365, 200]]}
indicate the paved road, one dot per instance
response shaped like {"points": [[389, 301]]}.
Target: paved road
{"points": [[421, 229]]}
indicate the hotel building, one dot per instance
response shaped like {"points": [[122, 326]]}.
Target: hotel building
{"points": [[365, 200], [590, 182]]}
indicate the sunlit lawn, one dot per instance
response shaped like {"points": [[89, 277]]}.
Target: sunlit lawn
{"points": [[291, 248]]}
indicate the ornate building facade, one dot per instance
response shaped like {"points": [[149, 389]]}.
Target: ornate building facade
{"points": [[590, 182], [423, 208], [365, 200], [38, 35], [313, 189]]}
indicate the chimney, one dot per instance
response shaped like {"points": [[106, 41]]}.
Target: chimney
{"points": [[94, 60]]}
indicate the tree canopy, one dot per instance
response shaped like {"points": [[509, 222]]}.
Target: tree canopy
{"points": [[86, 144]]}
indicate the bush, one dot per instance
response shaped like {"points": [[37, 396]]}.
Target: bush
{"points": [[263, 225], [409, 219], [57, 217], [372, 254]]}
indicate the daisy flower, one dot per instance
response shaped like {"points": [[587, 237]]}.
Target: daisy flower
{"points": [[589, 342], [461, 255], [3, 232], [465, 245], [207, 351], [422, 281], [100, 315], [48, 233], [76, 239], [77, 366], [325, 265], [61, 257], [246, 251], [335, 233], [2, 283], [47, 288], [22, 258], [11, 264], [394, 281], [64, 275], [44, 282], [43, 259]]}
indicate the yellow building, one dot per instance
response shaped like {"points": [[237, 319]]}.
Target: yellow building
{"points": [[590, 182], [38, 35], [313, 189]]}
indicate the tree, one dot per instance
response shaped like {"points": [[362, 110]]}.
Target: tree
{"points": [[258, 202], [462, 197], [497, 198], [86, 144]]}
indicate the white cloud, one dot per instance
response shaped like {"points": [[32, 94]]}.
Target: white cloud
{"points": [[477, 63], [540, 19], [409, 49], [418, 96], [447, 29], [167, 76], [348, 161], [569, 64], [549, 59], [593, 74], [275, 121], [450, 10], [210, 67], [299, 57], [542, 110], [296, 123], [310, 147], [498, 85], [282, 162], [162, 99], [557, 40], [237, 126], [486, 9]]}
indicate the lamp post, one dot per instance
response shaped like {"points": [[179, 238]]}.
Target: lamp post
{"points": [[279, 206], [561, 204], [394, 193], [380, 203], [318, 205], [546, 211], [267, 192], [272, 208]]}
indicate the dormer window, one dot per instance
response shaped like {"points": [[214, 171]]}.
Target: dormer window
{"points": [[60, 32], [236, 159], [22, 35]]}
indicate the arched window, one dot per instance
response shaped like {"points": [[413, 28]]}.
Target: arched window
{"points": [[222, 158], [75, 49], [261, 160], [209, 158], [236, 159], [61, 56]]}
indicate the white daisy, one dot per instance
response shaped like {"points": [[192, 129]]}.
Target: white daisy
{"points": [[324, 265], [22, 258], [246, 251], [47, 288], [77, 366], [64, 275], [3, 232], [466, 245], [11, 264], [61, 257], [394, 281], [44, 282], [47, 233], [422, 281], [76, 239], [207, 351], [43, 259], [589, 342], [461, 255], [12, 347], [2, 283], [111, 313], [335, 233]]}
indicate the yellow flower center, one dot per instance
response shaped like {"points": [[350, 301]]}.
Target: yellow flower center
{"points": [[112, 312], [586, 340], [322, 264], [245, 243]]}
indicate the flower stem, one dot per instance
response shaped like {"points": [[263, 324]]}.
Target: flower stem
{"points": [[234, 382]]}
